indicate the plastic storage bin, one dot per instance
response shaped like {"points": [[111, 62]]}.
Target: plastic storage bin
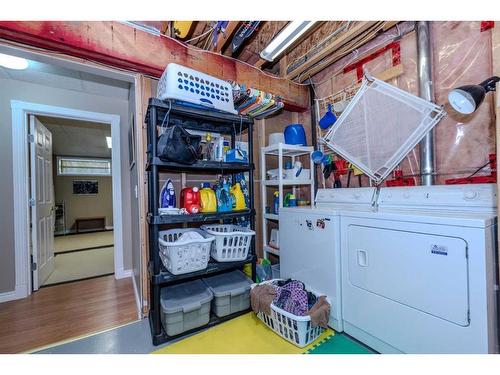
{"points": [[232, 242], [184, 256], [231, 292], [293, 328], [185, 306]]}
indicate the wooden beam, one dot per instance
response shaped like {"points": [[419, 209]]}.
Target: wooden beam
{"points": [[495, 43], [223, 40], [122, 46], [260, 62], [388, 74], [357, 30]]}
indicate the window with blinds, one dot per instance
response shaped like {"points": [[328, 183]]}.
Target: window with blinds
{"points": [[67, 166]]}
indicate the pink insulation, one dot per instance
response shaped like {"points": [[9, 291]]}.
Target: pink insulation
{"points": [[461, 55]]}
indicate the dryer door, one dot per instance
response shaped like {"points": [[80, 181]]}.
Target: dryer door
{"points": [[422, 271]]}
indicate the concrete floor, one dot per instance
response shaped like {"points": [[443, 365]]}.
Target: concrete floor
{"points": [[133, 338]]}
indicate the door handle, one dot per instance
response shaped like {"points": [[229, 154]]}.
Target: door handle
{"points": [[363, 258]]}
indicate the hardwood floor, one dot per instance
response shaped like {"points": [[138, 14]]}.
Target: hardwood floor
{"points": [[66, 311]]}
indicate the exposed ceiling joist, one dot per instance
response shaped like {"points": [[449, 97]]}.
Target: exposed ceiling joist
{"points": [[224, 40], [119, 45], [352, 33]]}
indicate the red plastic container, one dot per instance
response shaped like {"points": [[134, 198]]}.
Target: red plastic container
{"points": [[190, 200]]}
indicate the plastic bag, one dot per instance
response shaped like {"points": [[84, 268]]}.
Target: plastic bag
{"points": [[264, 271]]}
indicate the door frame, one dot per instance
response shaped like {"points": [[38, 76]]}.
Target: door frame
{"points": [[20, 152]]}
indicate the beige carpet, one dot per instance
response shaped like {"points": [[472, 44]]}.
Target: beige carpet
{"points": [[82, 264], [82, 241]]}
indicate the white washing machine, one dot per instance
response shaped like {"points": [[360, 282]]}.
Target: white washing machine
{"points": [[420, 274], [310, 242]]}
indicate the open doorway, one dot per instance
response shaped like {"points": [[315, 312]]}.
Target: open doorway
{"points": [[66, 101], [79, 204]]}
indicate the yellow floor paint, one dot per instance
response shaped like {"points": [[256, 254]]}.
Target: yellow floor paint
{"points": [[243, 335]]}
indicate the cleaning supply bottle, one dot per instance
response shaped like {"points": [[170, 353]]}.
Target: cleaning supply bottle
{"points": [[208, 148], [190, 199], [238, 197], [276, 202], [207, 198], [224, 200]]}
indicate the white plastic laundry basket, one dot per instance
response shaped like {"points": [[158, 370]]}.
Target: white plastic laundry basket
{"points": [[184, 256], [296, 329], [232, 242]]}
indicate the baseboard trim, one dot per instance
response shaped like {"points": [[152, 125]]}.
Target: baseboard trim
{"points": [[18, 293], [121, 273]]}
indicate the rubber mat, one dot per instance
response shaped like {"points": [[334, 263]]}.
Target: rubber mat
{"points": [[338, 344], [245, 334]]}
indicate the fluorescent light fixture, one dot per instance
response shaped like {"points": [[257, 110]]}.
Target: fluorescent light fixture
{"points": [[466, 99], [289, 35], [13, 62], [108, 141]]}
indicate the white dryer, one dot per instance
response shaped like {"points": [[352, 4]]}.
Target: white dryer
{"points": [[420, 274], [310, 242]]}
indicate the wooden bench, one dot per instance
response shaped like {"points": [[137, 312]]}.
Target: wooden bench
{"points": [[90, 224]]}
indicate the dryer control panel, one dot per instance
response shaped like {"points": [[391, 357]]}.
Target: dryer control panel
{"points": [[472, 197]]}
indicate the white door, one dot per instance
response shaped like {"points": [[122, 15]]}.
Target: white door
{"points": [[42, 204]]}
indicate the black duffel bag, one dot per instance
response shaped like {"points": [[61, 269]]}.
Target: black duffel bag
{"points": [[177, 145]]}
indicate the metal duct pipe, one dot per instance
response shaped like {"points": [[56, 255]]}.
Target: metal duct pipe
{"points": [[426, 92]]}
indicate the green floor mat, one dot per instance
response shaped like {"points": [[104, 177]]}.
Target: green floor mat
{"points": [[339, 344]]}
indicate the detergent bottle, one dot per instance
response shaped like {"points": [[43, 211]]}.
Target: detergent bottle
{"points": [[238, 197], [224, 199], [190, 199], [207, 198], [276, 202]]}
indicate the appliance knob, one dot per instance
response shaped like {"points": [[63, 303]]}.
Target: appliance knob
{"points": [[469, 195]]}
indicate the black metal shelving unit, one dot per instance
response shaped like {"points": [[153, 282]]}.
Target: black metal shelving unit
{"points": [[159, 113]]}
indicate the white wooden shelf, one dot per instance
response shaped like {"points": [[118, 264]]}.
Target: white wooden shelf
{"points": [[287, 150], [271, 217], [281, 151], [288, 182], [271, 250]]}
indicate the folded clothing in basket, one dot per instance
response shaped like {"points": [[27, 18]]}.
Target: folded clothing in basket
{"points": [[188, 236]]}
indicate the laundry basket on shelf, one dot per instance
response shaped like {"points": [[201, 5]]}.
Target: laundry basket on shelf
{"points": [[181, 255], [232, 242], [294, 328]]}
